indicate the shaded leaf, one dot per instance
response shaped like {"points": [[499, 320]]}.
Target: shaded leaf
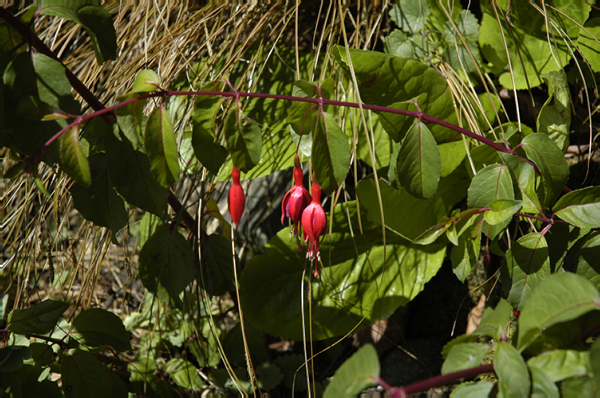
{"points": [[527, 265], [100, 203], [588, 259], [559, 298], [83, 375], [40, 319], [12, 357], [161, 147], [52, 84], [356, 373], [129, 170], [244, 140], [523, 175], [166, 264], [184, 374], [419, 163], [208, 151], [218, 265], [97, 327], [302, 122]]}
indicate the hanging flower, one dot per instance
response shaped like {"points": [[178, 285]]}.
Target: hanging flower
{"points": [[296, 199], [314, 222], [236, 200]]}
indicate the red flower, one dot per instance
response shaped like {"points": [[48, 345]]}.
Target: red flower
{"points": [[296, 199], [314, 222], [236, 200]]}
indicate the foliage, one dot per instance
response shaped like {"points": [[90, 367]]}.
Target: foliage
{"points": [[431, 191]]}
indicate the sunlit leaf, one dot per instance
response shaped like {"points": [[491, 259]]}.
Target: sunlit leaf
{"points": [[502, 210], [512, 372], [419, 163], [559, 298], [581, 207], [356, 373], [554, 118], [161, 147], [72, 157], [465, 356]]}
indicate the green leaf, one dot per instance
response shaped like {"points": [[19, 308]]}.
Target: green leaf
{"points": [[146, 81], [512, 372], [384, 80], [302, 122], [397, 125], [550, 160], [462, 53], [166, 264], [588, 259], [356, 373], [559, 298], [523, 175], [72, 157], [530, 41], [491, 183], [129, 170], [161, 147], [495, 321], [588, 45], [83, 375], [322, 89], [415, 46], [39, 319], [271, 283], [464, 356], [53, 87], [452, 155], [218, 265], [209, 152], [554, 118], [502, 210], [595, 361], [410, 220], [184, 374], [42, 354], [99, 203], [233, 345], [330, 153], [130, 119], [419, 164], [527, 265], [466, 253], [410, 15], [562, 364], [579, 387], [97, 327], [12, 357], [244, 140], [581, 207], [542, 385], [97, 22], [472, 390]]}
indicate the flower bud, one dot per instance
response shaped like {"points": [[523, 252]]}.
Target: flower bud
{"points": [[296, 199], [314, 222], [236, 200]]}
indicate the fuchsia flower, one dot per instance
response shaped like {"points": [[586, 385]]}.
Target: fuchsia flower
{"points": [[296, 199], [236, 200], [314, 222]]}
